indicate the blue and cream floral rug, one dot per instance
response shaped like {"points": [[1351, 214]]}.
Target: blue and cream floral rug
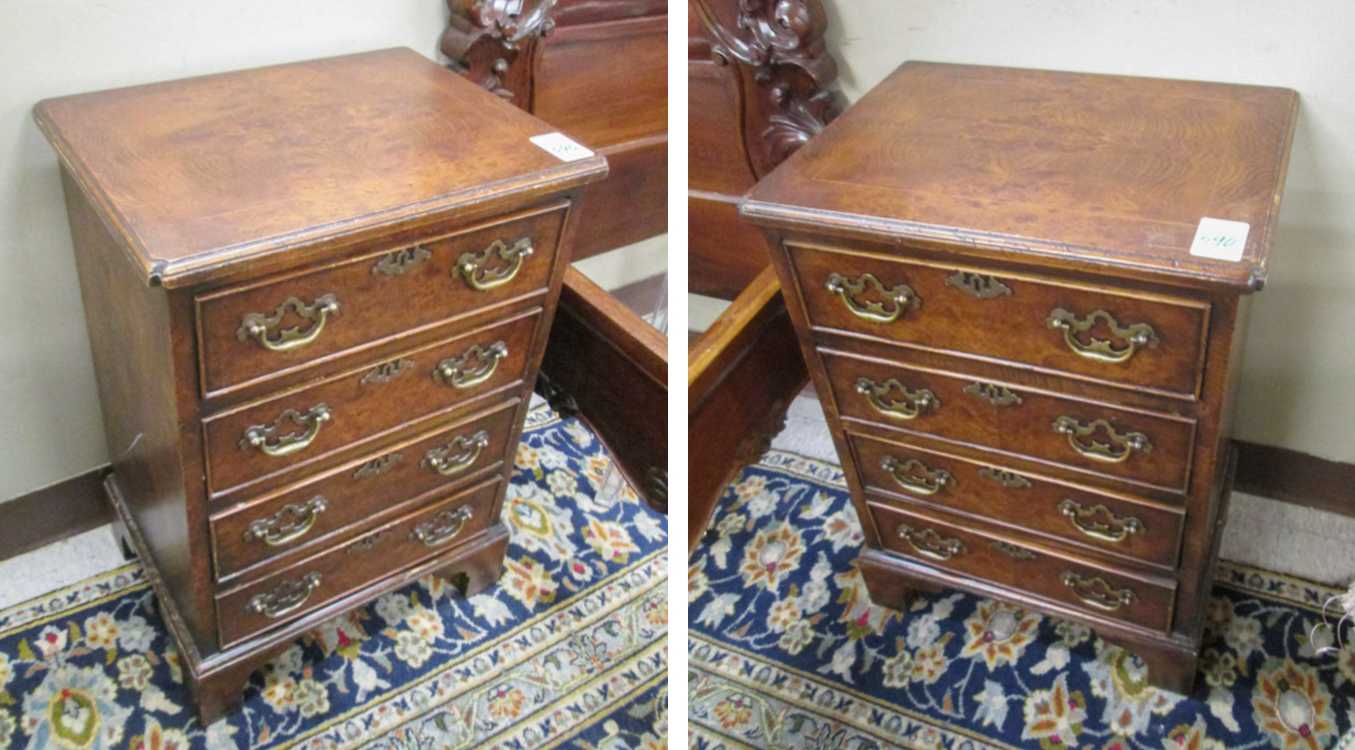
{"points": [[787, 651], [568, 650]]}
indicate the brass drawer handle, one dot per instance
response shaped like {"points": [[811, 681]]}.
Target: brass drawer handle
{"points": [[285, 444], [1098, 522], [260, 327], [287, 525], [1134, 336], [396, 262], [480, 271], [1010, 480], [909, 405], [928, 543], [997, 395], [458, 455], [1097, 592], [914, 476], [444, 527], [897, 299], [1116, 448], [286, 598], [977, 285], [1013, 551], [473, 367]]}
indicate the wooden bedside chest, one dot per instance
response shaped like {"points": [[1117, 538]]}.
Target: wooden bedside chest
{"points": [[1026, 361], [317, 296]]}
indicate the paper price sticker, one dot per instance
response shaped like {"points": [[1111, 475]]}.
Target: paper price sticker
{"points": [[561, 146], [1220, 239]]}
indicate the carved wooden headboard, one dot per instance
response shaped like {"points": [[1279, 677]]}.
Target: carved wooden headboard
{"points": [[760, 78], [597, 70]]}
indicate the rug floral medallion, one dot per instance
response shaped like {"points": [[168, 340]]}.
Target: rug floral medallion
{"points": [[568, 650], [787, 651]]}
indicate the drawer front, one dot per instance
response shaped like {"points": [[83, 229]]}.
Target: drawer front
{"points": [[282, 324], [1021, 500], [1143, 340], [270, 437], [359, 491], [1083, 435], [311, 583], [1065, 580]]}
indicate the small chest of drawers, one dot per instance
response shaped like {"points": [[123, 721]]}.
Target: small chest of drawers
{"points": [[1025, 353], [317, 296]]}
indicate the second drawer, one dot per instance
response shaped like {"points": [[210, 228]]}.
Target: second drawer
{"points": [[357, 491], [282, 432], [1061, 579], [1088, 436], [331, 574], [1075, 514]]}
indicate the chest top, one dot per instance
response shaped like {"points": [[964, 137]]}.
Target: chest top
{"points": [[197, 176], [1062, 169]]}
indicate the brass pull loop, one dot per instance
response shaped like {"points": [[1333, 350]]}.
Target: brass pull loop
{"points": [[897, 298], [909, 404], [1010, 480], [472, 368], [914, 476], [480, 271], [997, 395], [1116, 448], [287, 525], [1135, 336], [1098, 522], [1096, 592], [458, 455], [444, 527], [260, 327], [928, 543], [285, 599], [260, 435]]}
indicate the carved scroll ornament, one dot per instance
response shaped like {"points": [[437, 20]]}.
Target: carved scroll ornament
{"points": [[485, 38], [781, 43]]}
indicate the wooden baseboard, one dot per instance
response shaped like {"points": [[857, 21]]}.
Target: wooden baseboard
{"points": [[1293, 477], [53, 513]]}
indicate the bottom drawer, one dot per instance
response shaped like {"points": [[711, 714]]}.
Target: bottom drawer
{"points": [[1063, 579], [329, 575]]}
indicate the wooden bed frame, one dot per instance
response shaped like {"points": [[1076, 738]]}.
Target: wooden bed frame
{"points": [[760, 80], [596, 69]]}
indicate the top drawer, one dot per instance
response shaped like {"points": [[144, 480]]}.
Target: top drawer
{"points": [[1116, 336], [268, 328]]}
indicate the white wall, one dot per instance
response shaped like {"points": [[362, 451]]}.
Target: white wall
{"points": [[48, 401], [1298, 387]]}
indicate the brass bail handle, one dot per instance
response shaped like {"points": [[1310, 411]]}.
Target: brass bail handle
{"points": [[896, 299], [1132, 337], [263, 327], [472, 368], [494, 266], [267, 440]]}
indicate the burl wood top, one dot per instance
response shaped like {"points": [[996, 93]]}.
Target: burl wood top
{"points": [[202, 174], [1062, 168]]}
